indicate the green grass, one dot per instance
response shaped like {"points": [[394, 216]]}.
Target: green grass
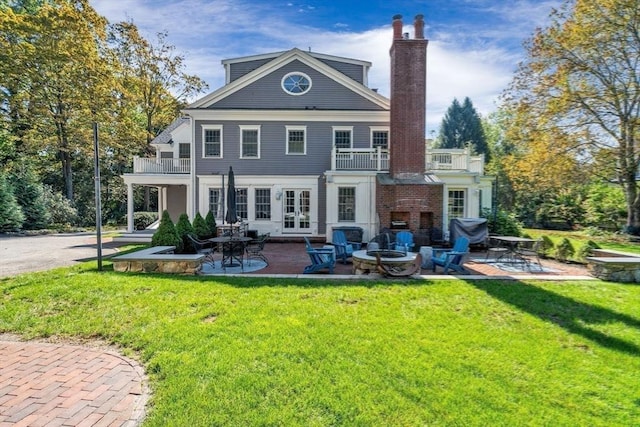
{"points": [[262, 351]]}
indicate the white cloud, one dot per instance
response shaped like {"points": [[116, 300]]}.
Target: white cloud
{"points": [[474, 59]]}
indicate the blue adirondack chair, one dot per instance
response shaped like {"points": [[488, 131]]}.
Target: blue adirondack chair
{"points": [[344, 248], [404, 241], [321, 258], [451, 258]]}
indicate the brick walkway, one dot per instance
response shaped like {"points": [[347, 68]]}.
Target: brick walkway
{"points": [[43, 384]]}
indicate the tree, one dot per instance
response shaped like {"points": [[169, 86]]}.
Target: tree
{"points": [[11, 216], [461, 126], [581, 78], [29, 194], [166, 234], [55, 78], [200, 227]]}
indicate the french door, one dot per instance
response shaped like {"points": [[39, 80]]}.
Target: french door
{"points": [[297, 211]]}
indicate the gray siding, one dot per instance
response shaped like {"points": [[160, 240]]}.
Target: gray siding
{"points": [[239, 69], [267, 94], [350, 70], [273, 158]]}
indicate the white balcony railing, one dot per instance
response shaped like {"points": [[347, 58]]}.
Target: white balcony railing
{"points": [[153, 165], [378, 160], [359, 159]]}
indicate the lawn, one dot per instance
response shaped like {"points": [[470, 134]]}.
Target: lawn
{"points": [[264, 351]]}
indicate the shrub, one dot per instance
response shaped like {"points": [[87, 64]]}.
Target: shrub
{"points": [[200, 227], [211, 222], [183, 228], [564, 250], [63, 213], [502, 223], [142, 220], [166, 235], [547, 246], [584, 250]]}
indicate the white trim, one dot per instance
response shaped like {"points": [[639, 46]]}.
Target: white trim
{"points": [[373, 129], [281, 61], [292, 115], [335, 129], [296, 73], [242, 129], [212, 127], [304, 147]]}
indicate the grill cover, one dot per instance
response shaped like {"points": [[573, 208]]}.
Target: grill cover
{"points": [[474, 229]]}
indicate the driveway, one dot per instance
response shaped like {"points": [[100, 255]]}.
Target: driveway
{"points": [[23, 254]]}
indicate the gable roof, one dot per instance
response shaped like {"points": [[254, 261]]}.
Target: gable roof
{"points": [[165, 137], [281, 60]]}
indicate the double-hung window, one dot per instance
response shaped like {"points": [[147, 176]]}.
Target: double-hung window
{"points": [[184, 151], [241, 204], [212, 141], [456, 206], [380, 138], [250, 142], [263, 203], [342, 136], [296, 139], [215, 202], [346, 204]]}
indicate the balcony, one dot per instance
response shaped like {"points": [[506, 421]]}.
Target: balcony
{"points": [[362, 159], [161, 166], [436, 160]]}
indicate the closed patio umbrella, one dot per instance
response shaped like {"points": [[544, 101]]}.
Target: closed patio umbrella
{"points": [[232, 216]]}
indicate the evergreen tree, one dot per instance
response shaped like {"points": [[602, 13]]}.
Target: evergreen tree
{"points": [[211, 222], [461, 126], [166, 235], [11, 216], [30, 196], [200, 227], [183, 228]]}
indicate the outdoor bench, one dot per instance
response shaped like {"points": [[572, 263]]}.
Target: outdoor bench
{"points": [[614, 266], [158, 259]]}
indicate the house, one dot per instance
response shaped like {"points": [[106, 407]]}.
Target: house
{"points": [[313, 147]]}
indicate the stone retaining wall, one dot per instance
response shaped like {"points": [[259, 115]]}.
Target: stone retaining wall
{"points": [[158, 259]]}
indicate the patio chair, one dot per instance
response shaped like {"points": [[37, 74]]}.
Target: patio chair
{"points": [[528, 254], [495, 250], [321, 258], [404, 241], [202, 247], [389, 270], [451, 258], [255, 247], [344, 248]]}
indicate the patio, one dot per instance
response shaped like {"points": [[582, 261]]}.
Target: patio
{"points": [[291, 258]]}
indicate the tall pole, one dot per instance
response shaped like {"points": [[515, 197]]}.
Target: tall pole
{"points": [[96, 175]]}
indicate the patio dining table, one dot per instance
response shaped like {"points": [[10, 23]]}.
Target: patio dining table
{"points": [[512, 244], [233, 249]]}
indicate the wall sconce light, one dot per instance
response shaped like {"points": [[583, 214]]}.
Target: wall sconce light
{"points": [[278, 195]]}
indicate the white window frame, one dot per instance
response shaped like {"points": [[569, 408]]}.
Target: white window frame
{"points": [[352, 204], [464, 192], [373, 129], [242, 129], [335, 129], [304, 142], [295, 73], [205, 128]]}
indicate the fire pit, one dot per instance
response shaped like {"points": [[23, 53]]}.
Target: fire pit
{"points": [[365, 261], [386, 253]]}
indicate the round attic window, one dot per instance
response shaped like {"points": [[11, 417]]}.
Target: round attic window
{"points": [[296, 83]]}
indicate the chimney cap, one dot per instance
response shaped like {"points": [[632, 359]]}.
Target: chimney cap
{"points": [[397, 17]]}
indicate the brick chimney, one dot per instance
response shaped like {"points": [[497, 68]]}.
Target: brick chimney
{"points": [[408, 197], [408, 100]]}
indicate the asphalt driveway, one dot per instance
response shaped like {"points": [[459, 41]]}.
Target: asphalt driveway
{"points": [[23, 254]]}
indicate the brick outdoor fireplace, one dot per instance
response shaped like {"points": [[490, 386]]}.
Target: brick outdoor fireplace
{"points": [[408, 197]]}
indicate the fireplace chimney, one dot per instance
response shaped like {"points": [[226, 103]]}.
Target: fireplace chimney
{"points": [[408, 99]]}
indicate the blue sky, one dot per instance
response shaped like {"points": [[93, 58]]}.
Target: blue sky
{"points": [[474, 45]]}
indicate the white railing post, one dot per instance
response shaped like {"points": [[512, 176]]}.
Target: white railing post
{"points": [[333, 158]]}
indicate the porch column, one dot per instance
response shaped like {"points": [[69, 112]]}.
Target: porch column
{"points": [[129, 208]]}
